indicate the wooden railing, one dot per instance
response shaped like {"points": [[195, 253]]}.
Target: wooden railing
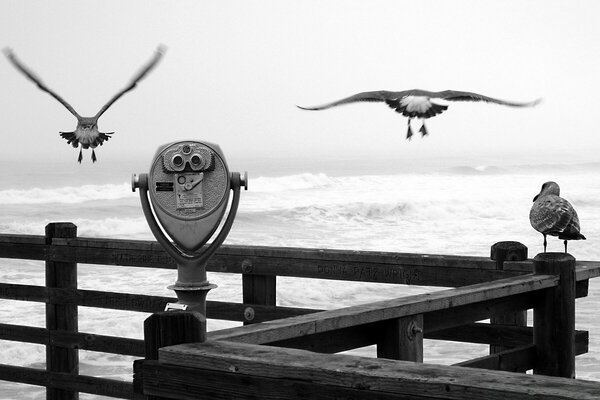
{"points": [[485, 288]]}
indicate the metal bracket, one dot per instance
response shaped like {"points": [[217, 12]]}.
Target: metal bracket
{"points": [[413, 330], [176, 307], [249, 313]]}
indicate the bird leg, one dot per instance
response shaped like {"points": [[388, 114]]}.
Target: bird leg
{"points": [[80, 156], [423, 130], [565, 247], [93, 156], [409, 132], [545, 243]]}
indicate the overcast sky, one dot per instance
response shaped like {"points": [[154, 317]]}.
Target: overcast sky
{"points": [[234, 71]]}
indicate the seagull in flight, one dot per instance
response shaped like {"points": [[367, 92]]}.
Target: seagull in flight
{"points": [[418, 104], [86, 133], [553, 215]]}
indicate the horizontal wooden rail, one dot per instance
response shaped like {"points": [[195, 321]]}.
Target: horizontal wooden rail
{"points": [[141, 303], [79, 383], [440, 301], [485, 288], [366, 266], [199, 370], [75, 340]]}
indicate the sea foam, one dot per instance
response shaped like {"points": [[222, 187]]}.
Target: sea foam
{"points": [[65, 195]]}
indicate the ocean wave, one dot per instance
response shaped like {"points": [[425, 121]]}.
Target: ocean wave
{"points": [[65, 195], [478, 170], [115, 228], [362, 212], [521, 168], [290, 182]]}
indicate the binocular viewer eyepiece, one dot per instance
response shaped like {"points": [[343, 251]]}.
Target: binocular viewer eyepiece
{"points": [[185, 195]]}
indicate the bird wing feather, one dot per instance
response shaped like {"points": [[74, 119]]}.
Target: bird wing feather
{"points": [[455, 95], [376, 96], [449, 95], [552, 215], [138, 77], [35, 79]]}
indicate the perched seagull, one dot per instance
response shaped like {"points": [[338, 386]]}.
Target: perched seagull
{"points": [[86, 133], [417, 103], [553, 215]]}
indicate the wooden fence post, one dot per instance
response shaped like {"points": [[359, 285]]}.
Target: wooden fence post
{"points": [[61, 316], [402, 339], [554, 317], [257, 289], [501, 252], [167, 328]]}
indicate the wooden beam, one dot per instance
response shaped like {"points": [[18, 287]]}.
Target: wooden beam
{"points": [[502, 252], [443, 270], [73, 340], [77, 383], [499, 335], [554, 317], [386, 310], [61, 275], [141, 303], [240, 370], [519, 359], [256, 290], [401, 339]]}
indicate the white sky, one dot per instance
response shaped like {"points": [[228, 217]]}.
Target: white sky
{"points": [[234, 71]]}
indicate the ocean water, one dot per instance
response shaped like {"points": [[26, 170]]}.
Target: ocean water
{"points": [[449, 207]]}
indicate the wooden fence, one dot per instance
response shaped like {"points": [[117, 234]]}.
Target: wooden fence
{"points": [[500, 288]]}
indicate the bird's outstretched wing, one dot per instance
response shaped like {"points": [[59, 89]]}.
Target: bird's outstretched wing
{"points": [[455, 95], [138, 77], [389, 96], [29, 74], [376, 96]]}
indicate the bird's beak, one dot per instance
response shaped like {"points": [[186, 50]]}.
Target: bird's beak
{"points": [[536, 197]]}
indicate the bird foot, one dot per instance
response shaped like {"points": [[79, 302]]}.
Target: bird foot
{"points": [[409, 132]]}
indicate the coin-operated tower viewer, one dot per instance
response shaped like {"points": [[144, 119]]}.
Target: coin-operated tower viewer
{"points": [[187, 192]]}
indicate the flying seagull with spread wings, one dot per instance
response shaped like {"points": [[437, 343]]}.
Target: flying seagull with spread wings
{"points": [[86, 133], [553, 215], [418, 104]]}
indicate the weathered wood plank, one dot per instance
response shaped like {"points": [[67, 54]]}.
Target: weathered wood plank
{"points": [[401, 339], [201, 384], [499, 335], [386, 310], [328, 342], [445, 270], [457, 316], [74, 340], [77, 383], [168, 328], [27, 334], [83, 297], [23, 251], [27, 247], [336, 341], [502, 252], [64, 317], [519, 359], [257, 289], [380, 376], [22, 239], [141, 303], [554, 317]]}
